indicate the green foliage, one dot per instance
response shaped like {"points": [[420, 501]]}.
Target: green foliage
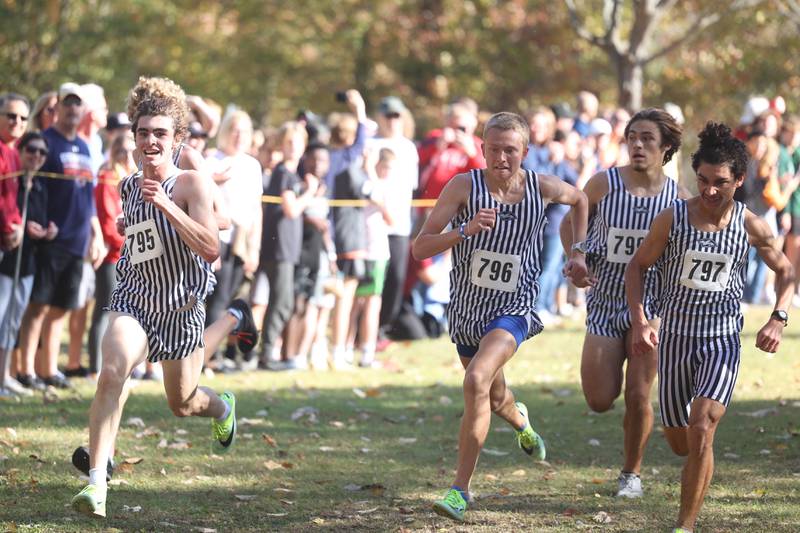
{"points": [[272, 58]]}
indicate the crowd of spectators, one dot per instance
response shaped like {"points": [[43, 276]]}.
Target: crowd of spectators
{"points": [[324, 260]]}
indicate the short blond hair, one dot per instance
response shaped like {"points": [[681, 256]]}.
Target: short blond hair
{"points": [[159, 97], [505, 121], [225, 128]]}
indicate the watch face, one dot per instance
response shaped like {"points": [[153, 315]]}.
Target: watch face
{"points": [[781, 315]]}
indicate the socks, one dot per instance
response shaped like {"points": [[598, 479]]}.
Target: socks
{"points": [[238, 315], [97, 477], [226, 413], [464, 494]]}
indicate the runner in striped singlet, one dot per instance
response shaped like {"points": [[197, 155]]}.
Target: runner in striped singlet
{"points": [[622, 204], [700, 248], [498, 216], [163, 276]]}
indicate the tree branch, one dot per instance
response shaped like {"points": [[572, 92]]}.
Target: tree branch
{"points": [[582, 31], [700, 23], [611, 18]]}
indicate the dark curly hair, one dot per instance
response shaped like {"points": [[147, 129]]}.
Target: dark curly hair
{"points": [[718, 146], [670, 130]]}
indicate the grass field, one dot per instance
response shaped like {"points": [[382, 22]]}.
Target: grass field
{"points": [[370, 450]]}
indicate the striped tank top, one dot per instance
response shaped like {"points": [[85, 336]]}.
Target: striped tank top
{"points": [[704, 276], [156, 271], [495, 272], [617, 229]]}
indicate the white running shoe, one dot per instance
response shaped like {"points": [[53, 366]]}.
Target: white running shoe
{"points": [[630, 485]]}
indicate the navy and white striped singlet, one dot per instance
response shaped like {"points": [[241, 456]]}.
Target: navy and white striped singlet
{"points": [[704, 276], [617, 229], [495, 272], [169, 281]]}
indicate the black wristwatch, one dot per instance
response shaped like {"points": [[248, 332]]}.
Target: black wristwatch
{"points": [[780, 314]]}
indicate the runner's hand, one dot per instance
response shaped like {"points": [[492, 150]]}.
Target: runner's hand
{"points": [[578, 273], [484, 220], [643, 339]]}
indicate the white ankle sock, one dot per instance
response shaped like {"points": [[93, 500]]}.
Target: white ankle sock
{"points": [[225, 414], [97, 477]]}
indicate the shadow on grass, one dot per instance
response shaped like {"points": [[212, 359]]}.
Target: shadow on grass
{"points": [[369, 462]]}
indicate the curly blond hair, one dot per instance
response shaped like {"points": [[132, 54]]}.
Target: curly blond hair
{"points": [[159, 96]]}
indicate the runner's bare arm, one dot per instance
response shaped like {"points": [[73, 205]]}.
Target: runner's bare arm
{"points": [[191, 214], [431, 240], [762, 239]]}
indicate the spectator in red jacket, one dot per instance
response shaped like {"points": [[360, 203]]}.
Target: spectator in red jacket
{"points": [[450, 150], [13, 120]]}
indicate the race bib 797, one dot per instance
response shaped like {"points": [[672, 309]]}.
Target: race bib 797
{"points": [[705, 271]]}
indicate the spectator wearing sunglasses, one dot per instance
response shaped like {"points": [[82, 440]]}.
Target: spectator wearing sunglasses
{"points": [[13, 120], [14, 296]]}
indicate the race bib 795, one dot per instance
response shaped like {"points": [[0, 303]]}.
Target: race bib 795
{"points": [[142, 242]]}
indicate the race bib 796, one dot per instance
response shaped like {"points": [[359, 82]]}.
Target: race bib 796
{"points": [[493, 270], [142, 242]]}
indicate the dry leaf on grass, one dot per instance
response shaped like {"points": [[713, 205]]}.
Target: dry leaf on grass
{"points": [[594, 442], [407, 440], [602, 517], [134, 509], [360, 393], [493, 452], [250, 421], [245, 497], [132, 460], [12, 432], [135, 421], [269, 440]]}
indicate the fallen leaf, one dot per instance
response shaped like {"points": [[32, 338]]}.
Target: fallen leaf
{"points": [[360, 393], [364, 450], [327, 449], [179, 446], [204, 529], [519, 472], [12, 432], [761, 413], [405, 510], [283, 489], [602, 518], [570, 512], [245, 497], [336, 423], [181, 432], [116, 482], [493, 452], [36, 458], [352, 487], [594, 442], [269, 440], [367, 511], [134, 509], [162, 443], [305, 412], [318, 521], [163, 472], [135, 421], [287, 466], [445, 400], [374, 392], [598, 481], [250, 421], [407, 440], [132, 460], [730, 455], [490, 477], [272, 465], [287, 502], [276, 515]]}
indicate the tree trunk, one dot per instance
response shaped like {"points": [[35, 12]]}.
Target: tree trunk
{"points": [[630, 78]]}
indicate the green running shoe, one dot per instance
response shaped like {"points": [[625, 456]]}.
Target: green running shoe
{"points": [[452, 506], [224, 432], [528, 439], [86, 502]]}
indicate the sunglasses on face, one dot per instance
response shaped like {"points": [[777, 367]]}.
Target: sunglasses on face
{"points": [[14, 116], [34, 150]]}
